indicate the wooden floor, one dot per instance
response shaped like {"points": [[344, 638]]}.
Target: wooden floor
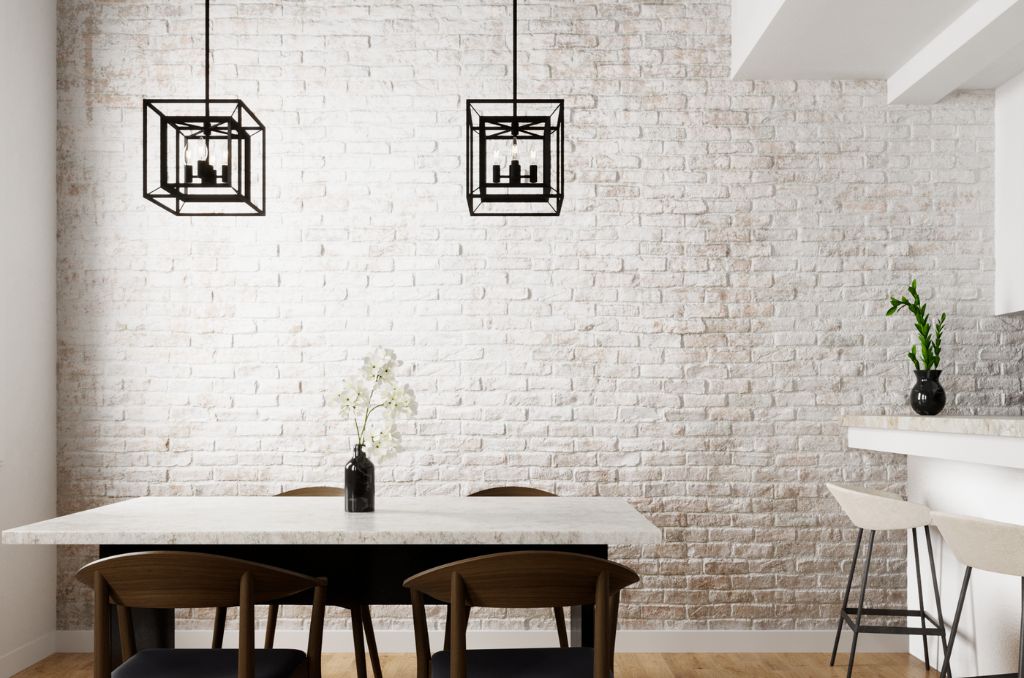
{"points": [[626, 665]]}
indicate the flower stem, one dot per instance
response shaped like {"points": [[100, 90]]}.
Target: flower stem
{"points": [[361, 433]]}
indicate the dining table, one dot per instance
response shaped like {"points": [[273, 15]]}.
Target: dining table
{"points": [[365, 557]]}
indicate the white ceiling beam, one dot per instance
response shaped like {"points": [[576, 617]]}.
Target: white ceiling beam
{"points": [[750, 22], [978, 38]]}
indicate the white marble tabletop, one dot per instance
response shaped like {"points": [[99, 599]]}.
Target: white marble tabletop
{"points": [[323, 520], [978, 426]]}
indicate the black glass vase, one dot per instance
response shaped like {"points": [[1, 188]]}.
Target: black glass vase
{"points": [[359, 485], [927, 397]]}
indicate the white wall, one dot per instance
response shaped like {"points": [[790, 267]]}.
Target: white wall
{"points": [[28, 392], [1009, 211]]}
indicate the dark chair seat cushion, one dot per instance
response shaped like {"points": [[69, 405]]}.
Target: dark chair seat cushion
{"points": [[548, 662], [208, 664]]}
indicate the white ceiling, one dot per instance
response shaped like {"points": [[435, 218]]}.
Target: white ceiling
{"points": [[842, 39]]}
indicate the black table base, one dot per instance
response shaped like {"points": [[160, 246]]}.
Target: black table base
{"points": [[367, 574]]}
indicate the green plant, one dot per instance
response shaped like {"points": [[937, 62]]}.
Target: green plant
{"points": [[931, 346]]}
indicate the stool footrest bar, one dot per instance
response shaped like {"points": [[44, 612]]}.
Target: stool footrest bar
{"points": [[889, 630], [892, 612]]}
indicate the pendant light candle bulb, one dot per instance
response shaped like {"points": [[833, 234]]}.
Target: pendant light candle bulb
{"points": [[196, 151], [217, 155]]}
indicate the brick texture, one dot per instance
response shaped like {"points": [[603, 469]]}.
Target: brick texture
{"points": [[687, 336]]}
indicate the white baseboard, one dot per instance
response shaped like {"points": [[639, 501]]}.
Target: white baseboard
{"points": [[339, 640], [28, 654]]}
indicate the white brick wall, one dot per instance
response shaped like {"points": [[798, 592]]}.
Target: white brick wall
{"points": [[686, 336]]}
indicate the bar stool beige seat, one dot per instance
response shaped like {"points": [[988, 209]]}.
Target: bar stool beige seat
{"points": [[985, 545], [873, 511]]}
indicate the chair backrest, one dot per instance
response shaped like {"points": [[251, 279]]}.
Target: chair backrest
{"points": [[512, 492], [179, 579], [876, 510], [314, 492], [984, 544], [521, 579]]}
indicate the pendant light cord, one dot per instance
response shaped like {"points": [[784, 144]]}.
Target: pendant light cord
{"points": [[515, 67], [207, 70], [515, 49]]}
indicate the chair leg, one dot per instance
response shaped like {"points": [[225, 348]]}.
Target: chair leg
{"points": [[860, 607], [956, 625], [357, 641], [219, 620], [447, 628], [920, 598], [935, 585], [846, 597], [371, 642], [268, 641], [563, 636]]}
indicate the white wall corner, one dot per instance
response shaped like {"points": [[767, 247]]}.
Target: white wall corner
{"points": [[25, 655], [28, 327], [1009, 197]]}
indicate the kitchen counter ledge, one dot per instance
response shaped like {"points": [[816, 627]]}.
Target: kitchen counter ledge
{"points": [[993, 441]]}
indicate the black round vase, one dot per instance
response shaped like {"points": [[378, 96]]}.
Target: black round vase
{"points": [[927, 397], [359, 485]]}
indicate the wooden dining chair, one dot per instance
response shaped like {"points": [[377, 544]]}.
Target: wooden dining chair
{"points": [[522, 579], [178, 579], [514, 491], [362, 624]]}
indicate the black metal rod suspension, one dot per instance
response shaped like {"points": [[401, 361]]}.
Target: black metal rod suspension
{"points": [[207, 71], [515, 68]]}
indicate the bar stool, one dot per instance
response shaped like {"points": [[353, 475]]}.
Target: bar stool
{"points": [[872, 510], [985, 545]]}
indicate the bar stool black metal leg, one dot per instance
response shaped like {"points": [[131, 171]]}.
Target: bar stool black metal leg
{"points": [[1020, 664], [956, 624], [846, 596], [860, 607], [920, 598], [935, 585]]}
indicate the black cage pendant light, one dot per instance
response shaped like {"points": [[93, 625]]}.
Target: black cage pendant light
{"points": [[515, 151], [204, 157]]}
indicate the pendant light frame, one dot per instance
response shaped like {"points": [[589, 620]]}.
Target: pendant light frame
{"points": [[507, 125], [227, 176]]}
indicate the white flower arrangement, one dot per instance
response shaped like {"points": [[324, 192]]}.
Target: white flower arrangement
{"points": [[375, 390]]}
